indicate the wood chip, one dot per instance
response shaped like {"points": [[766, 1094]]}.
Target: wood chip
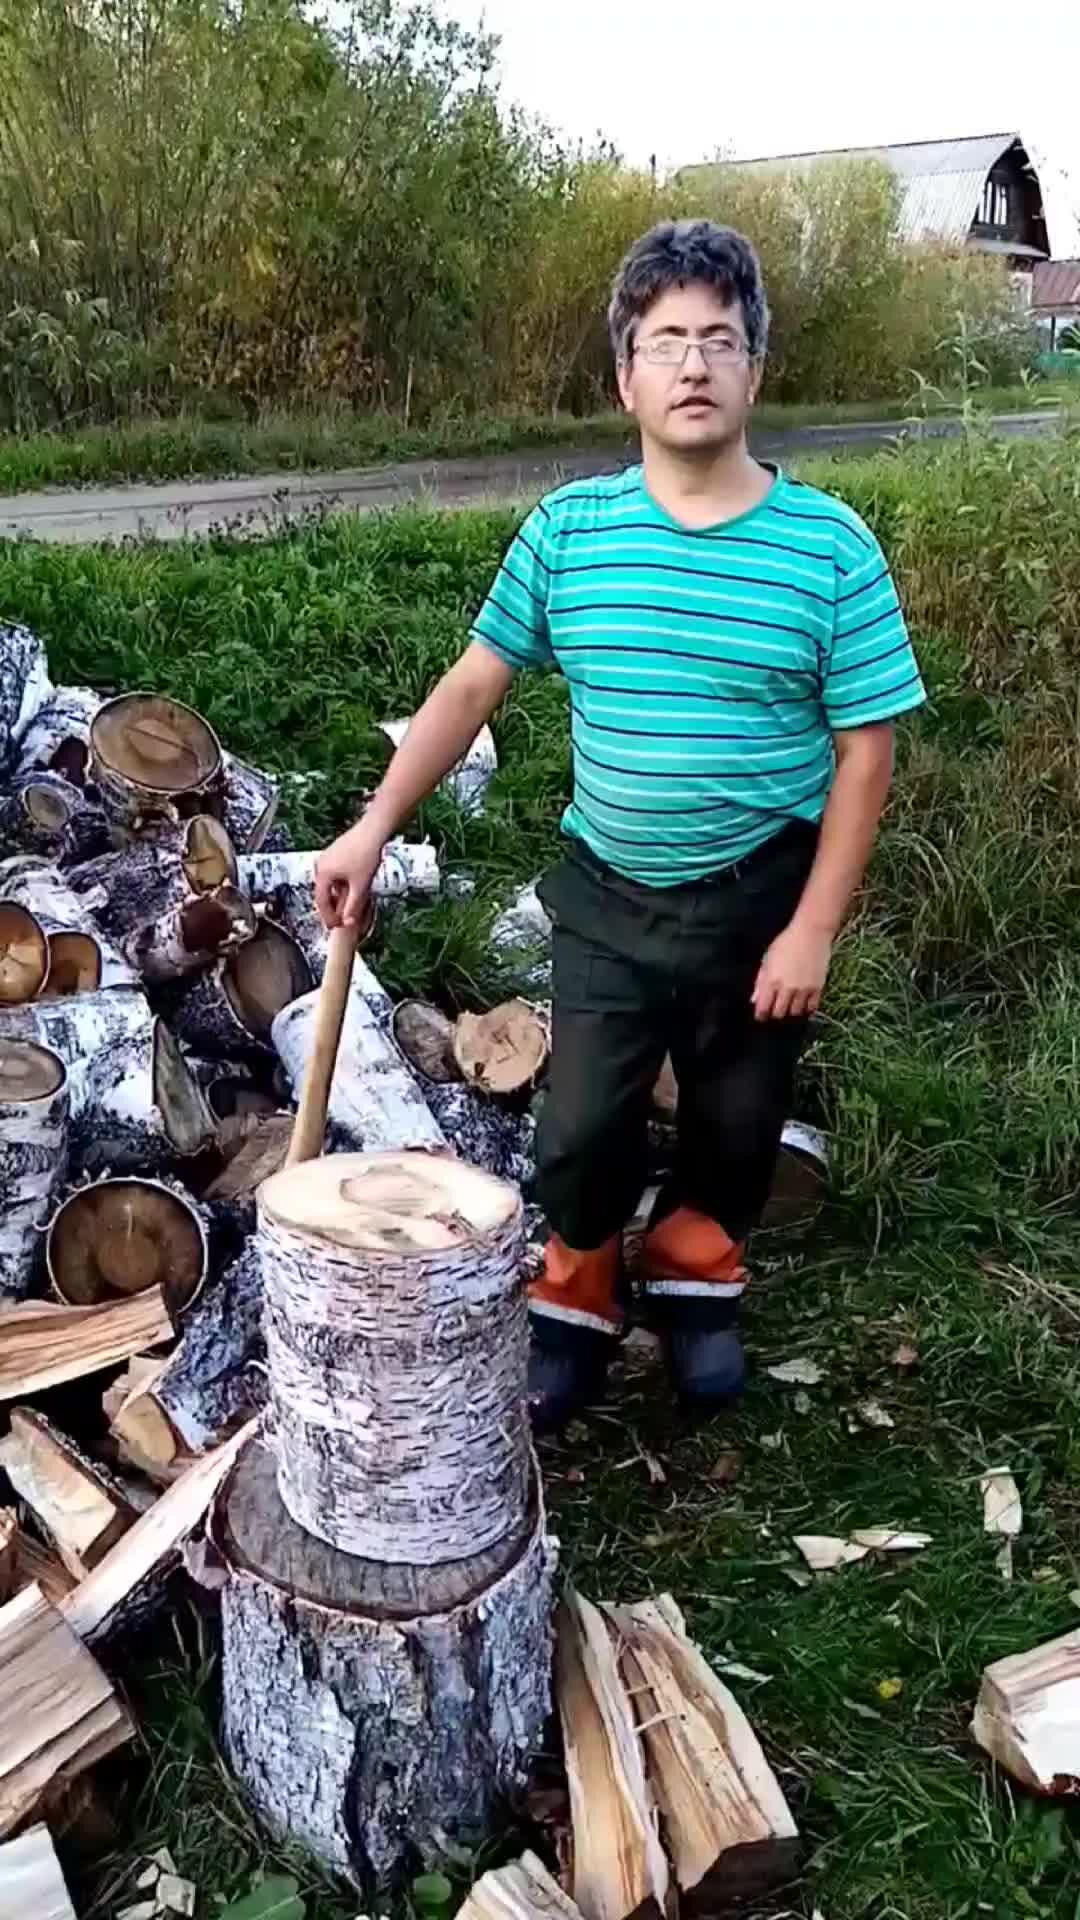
{"points": [[873, 1415], [906, 1356], [1002, 1508], [890, 1540], [175, 1895], [824, 1552], [726, 1468], [800, 1372]]}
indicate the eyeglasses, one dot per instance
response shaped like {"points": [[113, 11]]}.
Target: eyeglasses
{"points": [[668, 351]]}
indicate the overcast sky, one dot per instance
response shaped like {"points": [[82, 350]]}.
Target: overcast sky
{"points": [[685, 79]]}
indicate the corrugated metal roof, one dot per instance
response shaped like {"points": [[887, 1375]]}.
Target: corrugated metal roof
{"points": [[942, 180], [1055, 285]]}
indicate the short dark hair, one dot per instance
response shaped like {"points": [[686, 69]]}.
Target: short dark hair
{"points": [[677, 253]]}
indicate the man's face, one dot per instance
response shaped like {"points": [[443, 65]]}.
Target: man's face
{"points": [[691, 404]]}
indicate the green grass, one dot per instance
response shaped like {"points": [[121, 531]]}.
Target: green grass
{"points": [[947, 1068], [189, 448]]}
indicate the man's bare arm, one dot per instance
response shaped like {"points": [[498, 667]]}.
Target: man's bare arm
{"points": [[441, 732], [793, 973]]}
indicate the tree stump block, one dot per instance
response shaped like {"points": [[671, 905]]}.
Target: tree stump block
{"points": [[372, 1712], [397, 1345]]}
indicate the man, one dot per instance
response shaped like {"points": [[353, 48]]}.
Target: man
{"points": [[736, 657]]}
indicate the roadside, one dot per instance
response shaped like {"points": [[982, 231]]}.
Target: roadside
{"points": [[263, 503], [193, 448]]}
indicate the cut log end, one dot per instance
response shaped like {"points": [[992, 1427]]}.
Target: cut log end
{"points": [[396, 1203], [208, 857], [123, 1237], [154, 743], [24, 955], [28, 1072], [503, 1051], [75, 965], [426, 1038], [263, 976]]}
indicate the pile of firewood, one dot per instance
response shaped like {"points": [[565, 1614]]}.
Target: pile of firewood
{"points": [[159, 955]]}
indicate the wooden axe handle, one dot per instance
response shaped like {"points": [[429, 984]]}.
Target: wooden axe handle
{"points": [[309, 1126]]}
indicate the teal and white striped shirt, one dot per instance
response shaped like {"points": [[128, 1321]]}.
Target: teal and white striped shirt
{"points": [[708, 669]]}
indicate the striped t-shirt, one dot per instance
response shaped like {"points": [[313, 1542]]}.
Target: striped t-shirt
{"points": [[707, 668]]}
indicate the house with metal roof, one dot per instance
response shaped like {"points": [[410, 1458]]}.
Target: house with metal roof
{"points": [[981, 191]]}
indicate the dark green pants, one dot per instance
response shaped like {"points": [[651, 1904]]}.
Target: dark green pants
{"points": [[640, 972]]}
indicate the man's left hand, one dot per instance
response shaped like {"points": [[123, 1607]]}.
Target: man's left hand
{"points": [[791, 978]]}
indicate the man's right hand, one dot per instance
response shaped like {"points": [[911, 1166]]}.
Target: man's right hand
{"points": [[343, 876]]}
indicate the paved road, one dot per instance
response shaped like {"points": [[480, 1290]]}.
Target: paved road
{"points": [[261, 503]]}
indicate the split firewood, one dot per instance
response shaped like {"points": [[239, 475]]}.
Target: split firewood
{"points": [[251, 802], [132, 1580], [32, 1887], [24, 687], [375, 1101], [76, 1503], [253, 1147], [485, 1134], [522, 1890], [503, 1051], [728, 1828], [619, 1865], [43, 1344], [145, 1438], [134, 1104], [58, 1712], [9, 1540], [215, 1380], [34, 1122], [231, 1009], [1026, 1716], [155, 762], [34, 1564], [24, 955], [127, 1236]]}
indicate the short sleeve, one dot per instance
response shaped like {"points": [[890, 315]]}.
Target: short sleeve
{"points": [[872, 673], [513, 620]]}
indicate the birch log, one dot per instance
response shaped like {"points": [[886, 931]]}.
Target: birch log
{"points": [[127, 1236], [375, 1100], [191, 937], [44, 891], [46, 815], [468, 782], [127, 887], [34, 1118], [134, 1105], [373, 1713], [250, 803], [155, 762], [396, 1346], [406, 867], [215, 1380], [485, 1135], [231, 1009], [57, 739], [24, 687]]}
